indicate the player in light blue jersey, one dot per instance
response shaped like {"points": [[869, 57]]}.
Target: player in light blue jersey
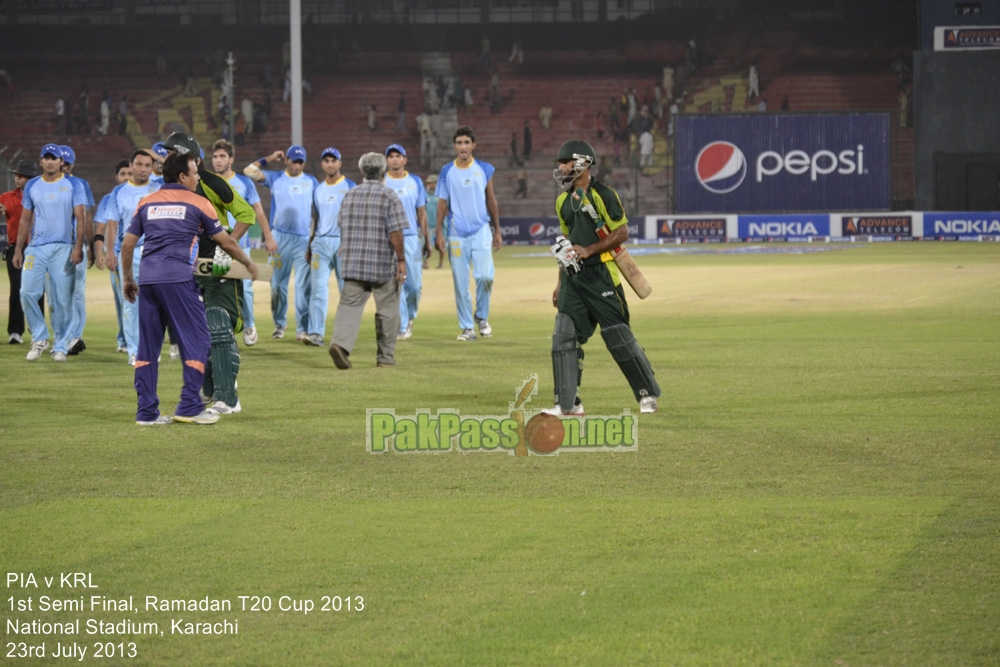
{"points": [[325, 242], [159, 153], [124, 200], [410, 190], [51, 201], [465, 190], [223, 155], [123, 171], [78, 315], [291, 220]]}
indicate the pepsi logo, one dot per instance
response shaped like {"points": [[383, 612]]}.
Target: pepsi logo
{"points": [[720, 167], [537, 230]]}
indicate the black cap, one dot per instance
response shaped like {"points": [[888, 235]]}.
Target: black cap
{"points": [[25, 168]]}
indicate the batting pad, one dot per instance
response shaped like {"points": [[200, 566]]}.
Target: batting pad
{"points": [[224, 357], [625, 350]]}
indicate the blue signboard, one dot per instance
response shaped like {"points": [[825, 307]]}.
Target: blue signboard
{"points": [[783, 226], [961, 224], [764, 163]]}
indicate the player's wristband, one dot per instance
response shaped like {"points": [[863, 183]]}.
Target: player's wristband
{"points": [[262, 162], [98, 237]]}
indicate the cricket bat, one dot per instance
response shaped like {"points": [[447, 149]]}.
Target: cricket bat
{"points": [[203, 267], [628, 267]]}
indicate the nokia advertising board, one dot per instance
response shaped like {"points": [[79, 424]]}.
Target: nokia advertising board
{"points": [[961, 225], [543, 231], [789, 226], [765, 163]]}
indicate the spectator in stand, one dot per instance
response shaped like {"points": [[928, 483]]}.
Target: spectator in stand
{"points": [[599, 126], [613, 115], [105, 116], [632, 108], [658, 102], [522, 184], [668, 82], [372, 118], [246, 108], [527, 140], [674, 110], [11, 209], [904, 107], [123, 116], [82, 110], [628, 198], [516, 52], [762, 105], [753, 83], [514, 160], [469, 102], [60, 116], [901, 69], [161, 66], [545, 115], [485, 58], [401, 110], [424, 129], [784, 103], [646, 149]]}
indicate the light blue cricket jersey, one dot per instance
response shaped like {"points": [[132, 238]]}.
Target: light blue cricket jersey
{"points": [[413, 195], [156, 177], [90, 196], [328, 199], [291, 202], [53, 204], [124, 201], [465, 192], [102, 209]]}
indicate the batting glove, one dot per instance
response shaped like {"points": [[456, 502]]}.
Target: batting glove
{"points": [[221, 263], [565, 256]]}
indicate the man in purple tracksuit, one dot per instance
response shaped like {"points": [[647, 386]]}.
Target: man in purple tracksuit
{"points": [[171, 220]]}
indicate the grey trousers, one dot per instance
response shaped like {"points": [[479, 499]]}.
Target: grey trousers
{"points": [[347, 321]]}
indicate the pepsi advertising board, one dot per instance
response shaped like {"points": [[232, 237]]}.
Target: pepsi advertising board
{"points": [[769, 163], [543, 231]]}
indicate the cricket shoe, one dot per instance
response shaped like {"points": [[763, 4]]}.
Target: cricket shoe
{"points": [[175, 351], [131, 360], [76, 346], [485, 330], [37, 347], [407, 332], [121, 348], [301, 336], [467, 334], [647, 404], [557, 411], [58, 356], [279, 332], [250, 337], [221, 408], [313, 339], [205, 398], [15, 339], [162, 420], [204, 417]]}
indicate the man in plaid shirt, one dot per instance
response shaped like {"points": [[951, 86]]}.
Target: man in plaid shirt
{"points": [[373, 262]]}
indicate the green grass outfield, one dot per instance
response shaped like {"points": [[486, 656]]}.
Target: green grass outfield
{"points": [[820, 487]]}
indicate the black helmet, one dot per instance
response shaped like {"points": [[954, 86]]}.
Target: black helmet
{"points": [[582, 154], [575, 149], [183, 143]]}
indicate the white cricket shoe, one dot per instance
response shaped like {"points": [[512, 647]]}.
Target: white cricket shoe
{"points": [[467, 334], [15, 339], [131, 360], [162, 420], [575, 411], [313, 339], [205, 417], [175, 351], [485, 330], [647, 404], [407, 332], [279, 332], [37, 347], [58, 356], [250, 337], [121, 348], [220, 408], [205, 398]]}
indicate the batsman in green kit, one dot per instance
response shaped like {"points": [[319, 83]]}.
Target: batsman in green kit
{"points": [[223, 297], [589, 291]]}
